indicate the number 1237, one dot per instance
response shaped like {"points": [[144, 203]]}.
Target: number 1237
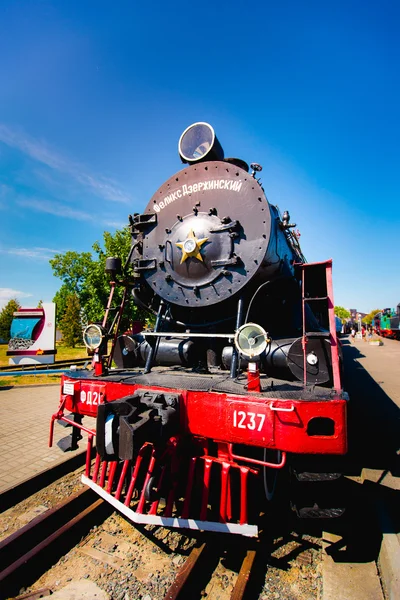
{"points": [[248, 420]]}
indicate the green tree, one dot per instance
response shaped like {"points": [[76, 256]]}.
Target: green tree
{"points": [[369, 317], [6, 317], [60, 299], [71, 268], [70, 325], [40, 304], [342, 313], [84, 274]]}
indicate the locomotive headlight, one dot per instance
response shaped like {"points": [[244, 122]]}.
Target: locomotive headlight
{"points": [[199, 142], [251, 340], [93, 335], [312, 359]]}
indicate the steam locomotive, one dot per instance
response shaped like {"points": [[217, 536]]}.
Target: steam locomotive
{"points": [[240, 377], [387, 323]]}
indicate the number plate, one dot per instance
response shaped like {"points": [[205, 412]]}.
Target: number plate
{"points": [[253, 421], [90, 396]]}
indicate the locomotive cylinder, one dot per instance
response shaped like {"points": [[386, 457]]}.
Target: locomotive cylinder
{"points": [[133, 351]]}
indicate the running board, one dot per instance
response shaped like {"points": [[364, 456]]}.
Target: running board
{"points": [[140, 518]]}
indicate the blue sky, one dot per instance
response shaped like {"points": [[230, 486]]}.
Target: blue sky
{"points": [[94, 97]]}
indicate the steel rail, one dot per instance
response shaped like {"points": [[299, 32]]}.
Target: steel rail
{"points": [[179, 588], [13, 548], [181, 579], [42, 372], [244, 576], [42, 593], [41, 367]]}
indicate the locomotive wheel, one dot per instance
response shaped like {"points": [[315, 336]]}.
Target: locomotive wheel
{"points": [[150, 492], [316, 495]]}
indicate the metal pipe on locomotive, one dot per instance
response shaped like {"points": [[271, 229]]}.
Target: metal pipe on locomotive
{"points": [[240, 377]]}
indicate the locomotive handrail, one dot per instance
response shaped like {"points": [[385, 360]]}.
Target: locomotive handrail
{"points": [[188, 335], [255, 461]]}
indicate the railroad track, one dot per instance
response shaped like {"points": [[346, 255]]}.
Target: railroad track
{"points": [[58, 364], [29, 549], [193, 576], [219, 565]]}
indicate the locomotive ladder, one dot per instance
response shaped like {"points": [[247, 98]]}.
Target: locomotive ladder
{"points": [[317, 290]]}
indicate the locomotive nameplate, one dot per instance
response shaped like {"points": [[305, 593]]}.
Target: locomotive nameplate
{"points": [[200, 186]]}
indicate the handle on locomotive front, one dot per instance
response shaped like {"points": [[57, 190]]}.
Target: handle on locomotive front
{"points": [[168, 260], [278, 408]]}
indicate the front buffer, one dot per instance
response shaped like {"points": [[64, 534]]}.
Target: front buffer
{"points": [[190, 458]]}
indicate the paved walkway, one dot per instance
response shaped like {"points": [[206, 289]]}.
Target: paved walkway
{"points": [[383, 364], [372, 378], [25, 419]]}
